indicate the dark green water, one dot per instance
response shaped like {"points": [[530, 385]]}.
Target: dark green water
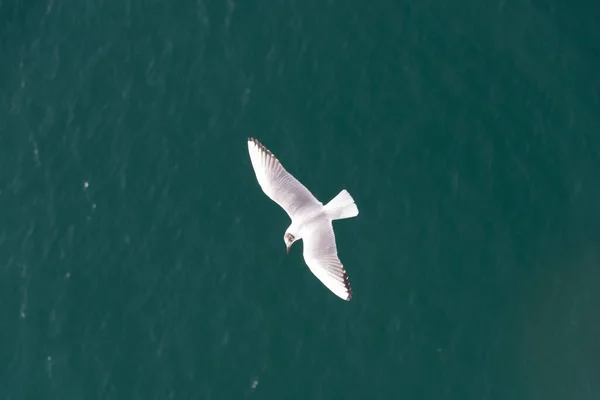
{"points": [[468, 134]]}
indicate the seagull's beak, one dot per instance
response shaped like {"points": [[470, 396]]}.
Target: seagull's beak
{"points": [[287, 249]]}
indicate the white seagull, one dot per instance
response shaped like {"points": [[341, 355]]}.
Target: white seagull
{"points": [[311, 220]]}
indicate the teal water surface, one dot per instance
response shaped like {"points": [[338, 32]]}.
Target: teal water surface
{"points": [[141, 260]]}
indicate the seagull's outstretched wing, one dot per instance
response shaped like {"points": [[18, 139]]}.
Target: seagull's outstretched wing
{"points": [[320, 254], [279, 184]]}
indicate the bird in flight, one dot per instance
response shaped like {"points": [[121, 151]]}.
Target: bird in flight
{"points": [[311, 220]]}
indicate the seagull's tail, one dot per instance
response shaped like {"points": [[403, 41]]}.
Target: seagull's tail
{"points": [[341, 206]]}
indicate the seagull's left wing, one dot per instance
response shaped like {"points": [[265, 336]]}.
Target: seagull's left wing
{"points": [[279, 184], [320, 254]]}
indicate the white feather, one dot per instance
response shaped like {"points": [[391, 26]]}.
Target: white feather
{"points": [[320, 254], [279, 184]]}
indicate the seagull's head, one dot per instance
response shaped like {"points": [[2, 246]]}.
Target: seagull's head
{"points": [[289, 239]]}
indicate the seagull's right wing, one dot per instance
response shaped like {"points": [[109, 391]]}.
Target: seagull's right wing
{"points": [[320, 254], [279, 184]]}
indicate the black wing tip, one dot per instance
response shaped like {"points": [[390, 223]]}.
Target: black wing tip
{"points": [[348, 288], [255, 141], [347, 285], [260, 146]]}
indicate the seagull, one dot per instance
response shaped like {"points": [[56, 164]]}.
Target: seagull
{"points": [[311, 220]]}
